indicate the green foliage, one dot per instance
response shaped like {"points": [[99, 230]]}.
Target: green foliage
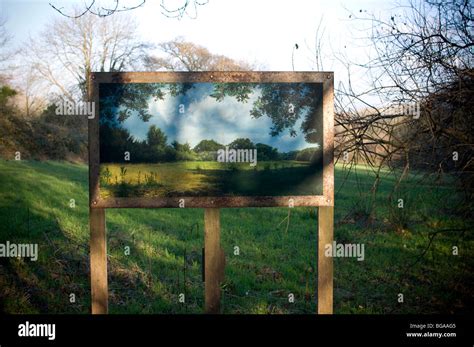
{"points": [[181, 147], [240, 91], [156, 137], [242, 143], [151, 179], [185, 156], [123, 172], [286, 103], [207, 146], [105, 175], [131, 97], [266, 152], [206, 156], [5, 94]]}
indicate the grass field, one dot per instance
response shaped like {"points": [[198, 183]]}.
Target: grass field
{"points": [[207, 178], [276, 258]]}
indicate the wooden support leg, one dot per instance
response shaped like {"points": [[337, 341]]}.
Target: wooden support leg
{"points": [[325, 264], [98, 261], [214, 260]]}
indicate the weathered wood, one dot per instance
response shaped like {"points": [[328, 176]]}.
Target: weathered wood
{"points": [[328, 141], [325, 264], [94, 146], [214, 263], [213, 76], [213, 202], [98, 261]]}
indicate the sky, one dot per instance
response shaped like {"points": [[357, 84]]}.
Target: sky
{"points": [[261, 31], [206, 118]]}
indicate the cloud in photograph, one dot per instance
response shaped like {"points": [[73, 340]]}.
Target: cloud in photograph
{"points": [[206, 118]]}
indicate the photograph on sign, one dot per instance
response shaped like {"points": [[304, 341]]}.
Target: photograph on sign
{"points": [[210, 139]]}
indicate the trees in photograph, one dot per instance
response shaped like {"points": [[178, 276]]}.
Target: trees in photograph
{"points": [[115, 141], [291, 107]]}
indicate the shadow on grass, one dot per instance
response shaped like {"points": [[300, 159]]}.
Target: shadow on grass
{"points": [[44, 285], [40, 214], [34, 209]]}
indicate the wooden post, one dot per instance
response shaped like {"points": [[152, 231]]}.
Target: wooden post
{"points": [[98, 261], [214, 260], [325, 264]]}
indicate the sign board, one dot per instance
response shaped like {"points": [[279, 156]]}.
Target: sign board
{"points": [[211, 139]]}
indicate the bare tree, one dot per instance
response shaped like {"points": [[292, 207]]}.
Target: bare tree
{"points": [[67, 51], [319, 40], [188, 7], [420, 54], [97, 8], [181, 55], [417, 110], [30, 99], [5, 53]]}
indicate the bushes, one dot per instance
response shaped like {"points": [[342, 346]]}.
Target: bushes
{"points": [[47, 136]]}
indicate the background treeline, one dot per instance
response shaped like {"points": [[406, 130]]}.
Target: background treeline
{"points": [[116, 142]]}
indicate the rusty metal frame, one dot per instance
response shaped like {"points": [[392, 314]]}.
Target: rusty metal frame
{"points": [[326, 199]]}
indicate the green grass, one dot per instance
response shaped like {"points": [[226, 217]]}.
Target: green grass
{"points": [[276, 257]]}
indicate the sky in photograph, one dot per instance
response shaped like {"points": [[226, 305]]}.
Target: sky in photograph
{"points": [[205, 118]]}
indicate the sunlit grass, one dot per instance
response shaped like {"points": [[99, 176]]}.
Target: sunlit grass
{"points": [[274, 261]]}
